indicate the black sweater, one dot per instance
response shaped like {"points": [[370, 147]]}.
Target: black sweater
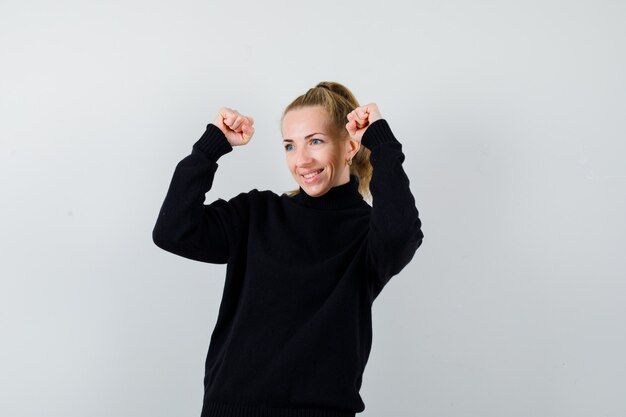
{"points": [[294, 328]]}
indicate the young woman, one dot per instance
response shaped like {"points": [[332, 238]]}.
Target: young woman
{"points": [[294, 329]]}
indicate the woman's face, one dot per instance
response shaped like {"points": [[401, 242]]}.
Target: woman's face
{"points": [[310, 148]]}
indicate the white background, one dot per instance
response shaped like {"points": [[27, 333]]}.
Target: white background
{"points": [[512, 118]]}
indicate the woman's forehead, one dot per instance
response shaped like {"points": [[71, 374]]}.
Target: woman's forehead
{"points": [[300, 123]]}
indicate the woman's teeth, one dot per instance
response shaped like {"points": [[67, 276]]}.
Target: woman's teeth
{"points": [[312, 174]]}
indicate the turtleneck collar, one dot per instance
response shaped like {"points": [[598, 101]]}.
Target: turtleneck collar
{"points": [[339, 196]]}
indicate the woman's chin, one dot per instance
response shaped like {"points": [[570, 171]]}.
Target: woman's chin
{"points": [[314, 190]]}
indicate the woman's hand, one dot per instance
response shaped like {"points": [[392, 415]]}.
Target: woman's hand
{"points": [[360, 118], [236, 127]]}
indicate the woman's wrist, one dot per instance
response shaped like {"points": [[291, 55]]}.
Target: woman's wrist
{"points": [[377, 133], [213, 143]]}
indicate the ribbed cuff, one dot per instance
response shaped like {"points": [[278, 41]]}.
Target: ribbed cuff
{"points": [[213, 143], [377, 133]]}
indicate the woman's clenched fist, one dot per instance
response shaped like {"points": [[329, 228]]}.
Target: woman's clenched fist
{"points": [[360, 118], [236, 127]]}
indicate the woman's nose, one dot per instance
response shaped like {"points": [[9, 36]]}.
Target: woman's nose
{"points": [[302, 157]]}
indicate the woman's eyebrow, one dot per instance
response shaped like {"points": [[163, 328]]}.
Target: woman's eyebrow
{"points": [[306, 137]]}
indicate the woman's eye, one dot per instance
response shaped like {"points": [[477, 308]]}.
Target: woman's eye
{"points": [[287, 147], [320, 141]]}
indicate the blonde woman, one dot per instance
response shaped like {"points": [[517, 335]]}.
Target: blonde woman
{"points": [[294, 329]]}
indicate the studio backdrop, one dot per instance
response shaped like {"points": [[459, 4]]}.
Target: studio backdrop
{"points": [[511, 116]]}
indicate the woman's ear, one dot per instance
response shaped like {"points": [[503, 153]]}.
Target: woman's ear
{"points": [[352, 146]]}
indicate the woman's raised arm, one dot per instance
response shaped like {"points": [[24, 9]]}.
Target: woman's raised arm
{"points": [[395, 227], [185, 225]]}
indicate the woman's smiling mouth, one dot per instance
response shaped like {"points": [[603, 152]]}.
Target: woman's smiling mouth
{"points": [[311, 176]]}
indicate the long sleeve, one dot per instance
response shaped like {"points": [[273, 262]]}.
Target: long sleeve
{"points": [[395, 227], [185, 225]]}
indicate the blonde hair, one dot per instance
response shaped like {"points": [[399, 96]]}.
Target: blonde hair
{"points": [[338, 102]]}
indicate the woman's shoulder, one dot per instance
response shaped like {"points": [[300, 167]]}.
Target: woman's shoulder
{"points": [[267, 194], [258, 195]]}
